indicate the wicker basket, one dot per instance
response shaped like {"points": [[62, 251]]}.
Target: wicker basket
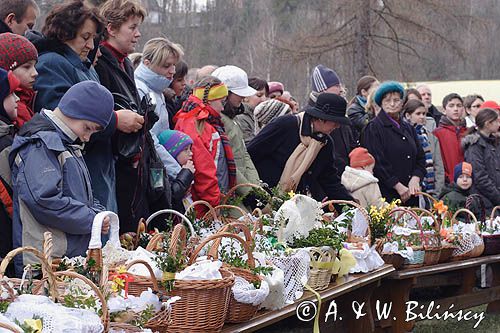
{"points": [[352, 238], [322, 260], [393, 259], [433, 242], [238, 312], [418, 251], [235, 213], [477, 250], [204, 303], [492, 242]]}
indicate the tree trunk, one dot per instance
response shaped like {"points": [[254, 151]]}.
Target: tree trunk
{"points": [[361, 39]]}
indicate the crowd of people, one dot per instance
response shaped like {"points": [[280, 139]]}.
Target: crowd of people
{"points": [[88, 124]]}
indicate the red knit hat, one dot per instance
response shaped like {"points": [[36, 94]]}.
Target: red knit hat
{"points": [[15, 50], [491, 105], [360, 157]]}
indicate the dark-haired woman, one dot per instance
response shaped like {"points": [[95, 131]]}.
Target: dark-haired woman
{"points": [[69, 33], [178, 91], [246, 119], [482, 151], [356, 110]]}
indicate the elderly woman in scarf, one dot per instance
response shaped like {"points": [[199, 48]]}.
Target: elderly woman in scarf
{"points": [[296, 152]]}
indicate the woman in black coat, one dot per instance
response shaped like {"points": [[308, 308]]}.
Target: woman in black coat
{"points": [[272, 147], [400, 160], [482, 151]]}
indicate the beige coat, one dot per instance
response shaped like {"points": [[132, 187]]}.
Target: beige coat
{"points": [[363, 186]]}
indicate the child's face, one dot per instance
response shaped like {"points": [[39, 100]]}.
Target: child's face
{"points": [[185, 155], [217, 105], [26, 73], [418, 116], [178, 85], [10, 106], [259, 97], [83, 128], [464, 182], [454, 110]]}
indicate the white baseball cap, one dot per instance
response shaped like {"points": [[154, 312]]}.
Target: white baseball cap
{"points": [[235, 79]]}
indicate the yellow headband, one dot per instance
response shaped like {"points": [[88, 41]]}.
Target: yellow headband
{"points": [[216, 92]]}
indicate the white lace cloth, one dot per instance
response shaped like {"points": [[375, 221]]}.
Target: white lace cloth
{"points": [[296, 270], [136, 304], [301, 214], [139, 269], [393, 247], [245, 292], [56, 318], [7, 321], [367, 259]]}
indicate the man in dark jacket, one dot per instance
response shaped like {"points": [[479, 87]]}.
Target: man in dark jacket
{"points": [[272, 148], [17, 16]]}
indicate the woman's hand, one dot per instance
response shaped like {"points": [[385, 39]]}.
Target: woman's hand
{"points": [[105, 225], [129, 121], [414, 185], [403, 191]]}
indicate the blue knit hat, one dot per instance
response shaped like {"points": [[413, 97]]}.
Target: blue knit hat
{"points": [[88, 100], [174, 141], [388, 87], [323, 78]]}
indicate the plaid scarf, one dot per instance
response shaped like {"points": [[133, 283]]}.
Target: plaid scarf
{"points": [[194, 107], [428, 183]]}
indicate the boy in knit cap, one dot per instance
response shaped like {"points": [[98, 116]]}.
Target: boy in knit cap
{"points": [[456, 194], [358, 178], [19, 55], [8, 112], [178, 145], [52, 188]]}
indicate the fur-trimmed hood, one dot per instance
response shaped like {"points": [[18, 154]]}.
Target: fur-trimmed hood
{"points": [[470, 140]]}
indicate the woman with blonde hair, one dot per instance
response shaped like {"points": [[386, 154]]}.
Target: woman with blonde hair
{"points": [[200, 118], [152, 77]]}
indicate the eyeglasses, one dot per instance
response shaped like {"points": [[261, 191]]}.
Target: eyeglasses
{"points": [[394, 101]]}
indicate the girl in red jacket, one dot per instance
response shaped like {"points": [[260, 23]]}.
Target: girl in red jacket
{"points": [[212, 156]]}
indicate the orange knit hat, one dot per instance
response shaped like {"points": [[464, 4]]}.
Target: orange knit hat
{"points": [[360, 157]]}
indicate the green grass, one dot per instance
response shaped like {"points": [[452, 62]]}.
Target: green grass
{"points": [[490, 324]]}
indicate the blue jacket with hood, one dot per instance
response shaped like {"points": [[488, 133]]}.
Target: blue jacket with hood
{"points": [[52, 189]]}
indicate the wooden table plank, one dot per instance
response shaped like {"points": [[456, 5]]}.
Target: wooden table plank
{"points": [[446, 267], [340, 287]]}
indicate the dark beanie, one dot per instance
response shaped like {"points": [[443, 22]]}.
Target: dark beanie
{"points": [[323, 78], [88, 100]]}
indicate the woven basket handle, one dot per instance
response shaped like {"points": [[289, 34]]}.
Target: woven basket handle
{"points": [[415, 216], [153, 242], [178, 234], [46, 268], [240, 225], [9, 327], [151, 277], [324, 254], [493, 211], [250, 261], [174, 212], [423, 211], [427, 195], [234, 188], [211, 210], [464, 210], [243, 213], [104, 306], [363, 211]]}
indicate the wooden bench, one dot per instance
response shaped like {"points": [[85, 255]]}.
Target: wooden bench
{"points": [[458, 276], [354, 287]]}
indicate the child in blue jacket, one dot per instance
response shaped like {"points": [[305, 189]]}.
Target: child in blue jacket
{"points": [[51, 183]]}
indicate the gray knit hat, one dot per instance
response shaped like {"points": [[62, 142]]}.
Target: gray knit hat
{"points": [[266, 111]]}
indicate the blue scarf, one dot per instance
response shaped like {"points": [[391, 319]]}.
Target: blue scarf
{"points": [[428, 183], [361, 100], [154, 81]]}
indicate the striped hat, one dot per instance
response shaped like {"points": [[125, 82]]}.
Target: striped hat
{"points": [[174, 141], [267, 111], [323, 78]]}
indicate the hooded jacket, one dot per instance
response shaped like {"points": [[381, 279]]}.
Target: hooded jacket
{"points": [[363, 186], [147, 82], [52, 189], [449, 137], [246, 123], [484, 155]]}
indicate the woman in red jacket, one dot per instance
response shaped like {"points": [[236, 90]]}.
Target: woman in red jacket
{"points": [[212, 156]]}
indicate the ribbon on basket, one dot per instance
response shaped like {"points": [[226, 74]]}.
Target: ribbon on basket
{"points": [[121, 279]]}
